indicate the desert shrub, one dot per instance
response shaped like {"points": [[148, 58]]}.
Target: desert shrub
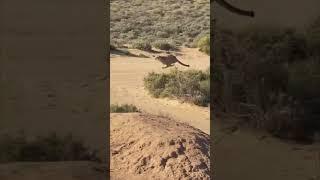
{"points": [[204, 44], [227, 49], [163, 45], [303, 86], [217, 86], [113, 47], [280, 70], [145, 46], [204, 88], [191, 85], [276, 45], [304, 80], [125, 108], [313, 37], [162, 34], [45, 148], [217, 73]]}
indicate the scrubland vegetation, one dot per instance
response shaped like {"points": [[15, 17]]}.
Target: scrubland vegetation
{"points": [[44, 148], [278, 79], [124, 108], [176, 22], [191, 85], [203, 43]]}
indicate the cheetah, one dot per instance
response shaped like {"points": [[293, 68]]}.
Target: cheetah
{"points": [[169, 60]]}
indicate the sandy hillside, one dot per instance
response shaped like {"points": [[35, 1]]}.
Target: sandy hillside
{"points": [[126, 80], [145, 146]]}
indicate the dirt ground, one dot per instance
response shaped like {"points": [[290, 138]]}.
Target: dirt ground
{"points": [[265, 157], [51, 80], [254, 155]]}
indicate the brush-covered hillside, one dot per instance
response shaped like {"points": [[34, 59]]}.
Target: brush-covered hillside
{"points": [[179, 22]]}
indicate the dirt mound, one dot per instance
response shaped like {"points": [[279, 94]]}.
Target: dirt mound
{"points": [[151, 147]]}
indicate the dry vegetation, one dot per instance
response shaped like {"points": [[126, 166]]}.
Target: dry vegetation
{"points": [[277, 79], [44, 148], [190, 85], [124, 108], [175, 22]]}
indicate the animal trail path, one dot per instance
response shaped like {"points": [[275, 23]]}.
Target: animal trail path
{"points": [[126, 80]]}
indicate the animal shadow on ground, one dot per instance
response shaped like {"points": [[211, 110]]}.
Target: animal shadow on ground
{"points": [[122, 52]]}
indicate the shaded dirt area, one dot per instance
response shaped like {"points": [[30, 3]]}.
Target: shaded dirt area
{"points": [[81, 170], [252, 154]]}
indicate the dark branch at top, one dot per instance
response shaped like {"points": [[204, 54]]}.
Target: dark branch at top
{"points": [[233, 9]]}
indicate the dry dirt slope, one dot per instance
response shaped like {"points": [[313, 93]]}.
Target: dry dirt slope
{"points": [[151, 147]]}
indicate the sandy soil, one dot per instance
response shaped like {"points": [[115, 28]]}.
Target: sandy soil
{"points": [[244, 156], [152, 147], [256, 155], [126, 80]]}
